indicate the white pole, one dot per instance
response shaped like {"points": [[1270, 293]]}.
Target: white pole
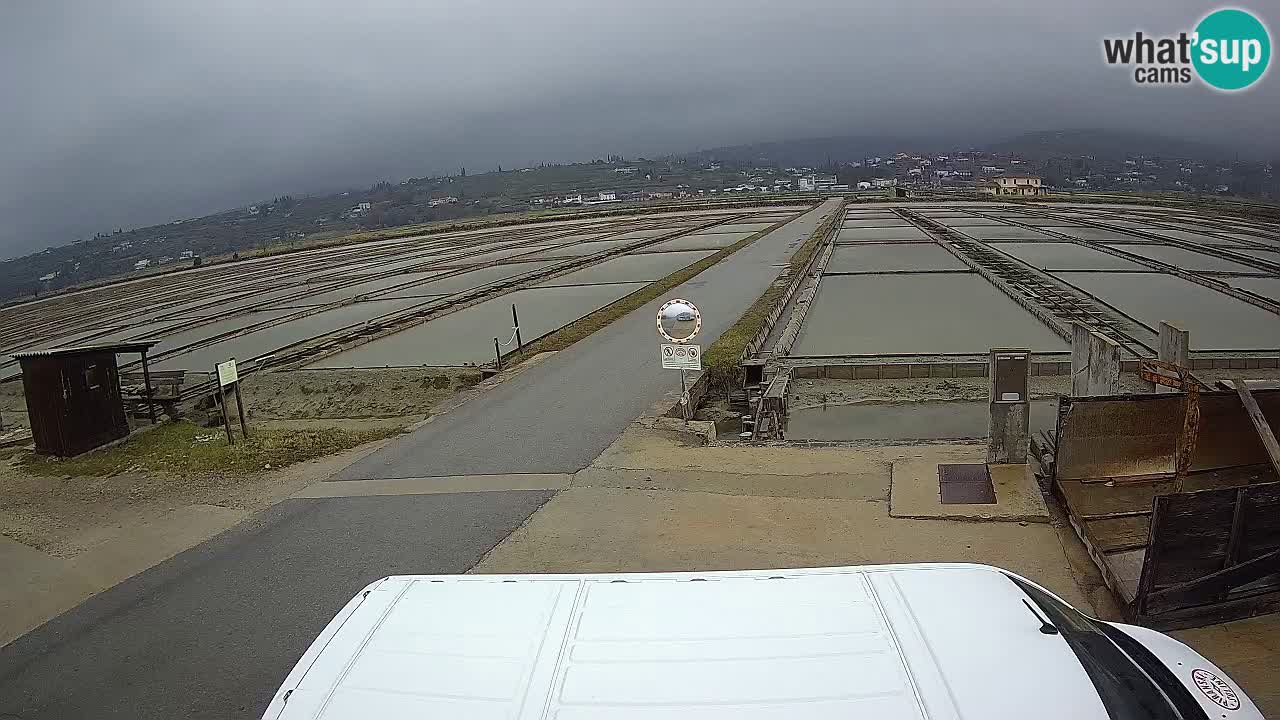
{"points": [[684, 406]]}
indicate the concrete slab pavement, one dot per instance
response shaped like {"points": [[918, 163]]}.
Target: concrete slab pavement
{"points": [[915, 494]]}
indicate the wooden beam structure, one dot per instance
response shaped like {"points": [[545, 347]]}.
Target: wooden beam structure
{"points": [[1260, 423]]}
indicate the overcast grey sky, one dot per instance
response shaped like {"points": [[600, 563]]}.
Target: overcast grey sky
{"points": [[132, 112]]}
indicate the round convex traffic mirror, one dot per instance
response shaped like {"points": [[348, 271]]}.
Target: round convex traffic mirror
{"points": [[679, 320]]}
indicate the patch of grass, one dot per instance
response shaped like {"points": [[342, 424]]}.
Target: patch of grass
{"points": [[184, 448], [722, 361], [572, 333]]}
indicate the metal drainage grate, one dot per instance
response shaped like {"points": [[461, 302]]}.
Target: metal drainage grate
{"points": [[966, 485]]}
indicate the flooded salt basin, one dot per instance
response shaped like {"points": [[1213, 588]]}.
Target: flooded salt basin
{"points": [[902, 232], [964, 222], [1271, 256], [870, 257], [586, 248], [855, 222], [701, 241], [905, 421], [218, 327], [1003, 232], [1098, 234], [1066, 256], [466, 336], [1216, 321], [917, 314], [647, 267], [468, 280], [265, 340], [364, 288], [1186, 259], [1266, 287]]}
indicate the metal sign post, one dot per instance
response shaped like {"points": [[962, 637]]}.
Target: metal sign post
{"points": [[684, 398], [679, 322]]}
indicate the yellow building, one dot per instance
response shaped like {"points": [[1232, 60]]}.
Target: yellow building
{"points": [[1020, 185]]}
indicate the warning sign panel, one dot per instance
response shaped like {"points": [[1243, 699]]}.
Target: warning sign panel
{"points": [[681, 357]]}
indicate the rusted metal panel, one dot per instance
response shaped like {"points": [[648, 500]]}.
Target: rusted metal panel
{"points": [[1168, 374], [1136, 435], [1101, 437], [965, 484]]}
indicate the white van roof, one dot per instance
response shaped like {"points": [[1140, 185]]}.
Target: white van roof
{"points": [[937, 641]]}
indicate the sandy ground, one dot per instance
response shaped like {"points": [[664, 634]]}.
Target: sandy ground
{"points": [[655, 501], [652, 504]]}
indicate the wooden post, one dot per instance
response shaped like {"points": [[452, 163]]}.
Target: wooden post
{"points": [[244, 427], [146, 387], [1260, 424], [497, 354], [1174, 348], [226, 419]]}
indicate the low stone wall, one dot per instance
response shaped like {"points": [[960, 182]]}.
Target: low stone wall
{"points": [[896, 371], [814, 275], [902, 370]]}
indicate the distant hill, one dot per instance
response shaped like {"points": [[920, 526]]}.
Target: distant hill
{"points": [[1105, 144], [815, 152]]}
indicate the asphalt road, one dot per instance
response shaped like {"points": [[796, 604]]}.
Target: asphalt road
{"points": [[558, 416], [212, 632]]}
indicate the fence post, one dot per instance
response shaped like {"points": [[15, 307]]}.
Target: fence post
{"points": [[515, 320]]}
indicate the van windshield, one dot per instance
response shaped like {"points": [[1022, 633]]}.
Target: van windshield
{"points": [[1131, 682]]}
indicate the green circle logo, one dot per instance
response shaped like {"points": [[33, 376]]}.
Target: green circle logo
{"points": [[1232, 49]]}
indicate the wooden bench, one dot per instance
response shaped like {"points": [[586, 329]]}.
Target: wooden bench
{"points": [[166, 385]]}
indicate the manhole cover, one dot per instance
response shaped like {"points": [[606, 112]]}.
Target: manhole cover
{"points": [[965, 485]]}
